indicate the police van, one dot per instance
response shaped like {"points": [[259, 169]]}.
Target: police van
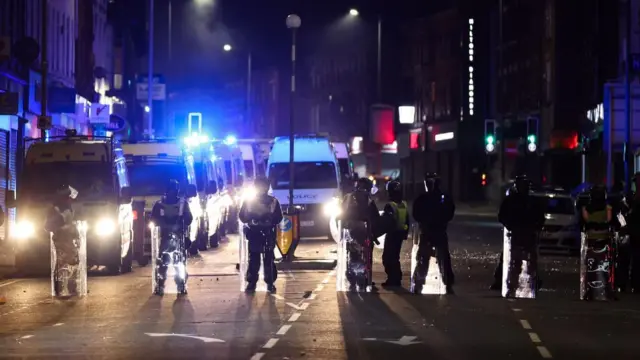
{"points": [[95, 167], [151, 164], [317, 181], [253, 158], [230, 159]]}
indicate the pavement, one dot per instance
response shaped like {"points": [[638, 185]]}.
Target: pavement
{"points": [[308, 319]]}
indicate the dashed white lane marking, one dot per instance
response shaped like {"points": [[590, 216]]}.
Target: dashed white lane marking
{"points": [[58, 324], [304, 306], [6, 283], [544, 352], [534, 338], [517, 310], [271, 343], [325, 281], [312, 296], [26, 337], [283, 330], [525, 324], [279, 297], [294, 317], [319, 288], [257, 356]]}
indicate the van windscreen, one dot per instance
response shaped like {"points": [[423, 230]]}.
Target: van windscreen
{"points": [[308, 175]]}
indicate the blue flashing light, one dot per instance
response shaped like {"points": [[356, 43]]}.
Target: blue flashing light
{"points": [[230, 140], [196, 139]]}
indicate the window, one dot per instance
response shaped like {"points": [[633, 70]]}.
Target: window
{"points": [[308, 175]]}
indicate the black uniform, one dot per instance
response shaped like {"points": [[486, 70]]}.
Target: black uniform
{"points": [[173, 216], [61, 223], [523, 216], [261, 216], [396, 222], [433, 210], [361, 220]]}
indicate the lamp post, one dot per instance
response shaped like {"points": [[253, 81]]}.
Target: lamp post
{"points": [[355, 12], [247, 109], [150, 75], [293, 22]]}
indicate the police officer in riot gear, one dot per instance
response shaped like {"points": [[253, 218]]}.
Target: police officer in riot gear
{"points": [[396, 220], [629, 253], [434, 210], [61, 223], [360, 218], [522, 215], [173, 216], [261, 215]]}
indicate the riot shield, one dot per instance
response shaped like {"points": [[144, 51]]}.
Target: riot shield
{"points": [[355, 258], [596, 267], [519, 268], [426, 277], [69, 261], [245, 257], [169, 270]]}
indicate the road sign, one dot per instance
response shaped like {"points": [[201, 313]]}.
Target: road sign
{"points": [[44, 122], [159, 90], [9, 103], [100, 114]]}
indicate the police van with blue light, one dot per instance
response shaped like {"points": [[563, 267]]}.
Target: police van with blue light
{"points": [[316, 191], [151, 164], [95, 167], [231, 157]]}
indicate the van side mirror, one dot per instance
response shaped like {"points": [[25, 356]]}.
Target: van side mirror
{"points": [[125, 195], [10, 201], [212, 188], [191, 191]]}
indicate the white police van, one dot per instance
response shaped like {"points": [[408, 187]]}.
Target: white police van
{"points": [[317, 181]]}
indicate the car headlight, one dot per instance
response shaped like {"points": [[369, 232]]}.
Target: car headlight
{"points": [[249, 193], [105, 227], [151, 225], [333, 208], [23, 229]]}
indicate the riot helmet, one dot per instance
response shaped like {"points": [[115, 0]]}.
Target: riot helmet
{"points": [[522, 185], [262, 185], [394, 190], [364, 185], [173, 189], [431, 182]]}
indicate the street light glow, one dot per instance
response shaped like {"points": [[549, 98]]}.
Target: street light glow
{"points": [[354, 12], [227, 47]]}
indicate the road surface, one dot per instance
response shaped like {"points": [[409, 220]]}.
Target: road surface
{"points": [[307, 319]]}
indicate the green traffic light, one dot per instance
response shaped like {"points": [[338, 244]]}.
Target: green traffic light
{"points": [[490, 139], [532, 139]]}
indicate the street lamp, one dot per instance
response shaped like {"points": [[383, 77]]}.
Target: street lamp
{"points": [[293, 22], [229, 48], [354, 12]]}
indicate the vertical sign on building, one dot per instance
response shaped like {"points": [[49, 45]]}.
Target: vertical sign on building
{"points": [[471, 55]]}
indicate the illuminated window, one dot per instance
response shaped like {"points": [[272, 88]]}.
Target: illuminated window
{"points": [[471, 68]]}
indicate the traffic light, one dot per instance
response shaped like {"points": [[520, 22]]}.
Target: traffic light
{"points": [[489, 136], [532, 134], [484, 179]]}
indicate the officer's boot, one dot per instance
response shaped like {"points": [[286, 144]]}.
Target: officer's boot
{"points": [[271, 288], [251, 288]]}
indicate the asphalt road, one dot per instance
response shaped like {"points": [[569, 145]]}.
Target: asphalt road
{"points": [[307, 319]]}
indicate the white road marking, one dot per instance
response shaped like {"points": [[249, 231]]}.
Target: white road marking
{"points": [[296, 306], [271, 343], [544, 352], [319, 288], [283, 330], [312, 296], [294, 317], [58, 324], [257, 356], [304, 306], [201, 338], [534, 338], [279, 297], [517, 310], [325, 281], [27, 337], [525, 324], [6, 283]]}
